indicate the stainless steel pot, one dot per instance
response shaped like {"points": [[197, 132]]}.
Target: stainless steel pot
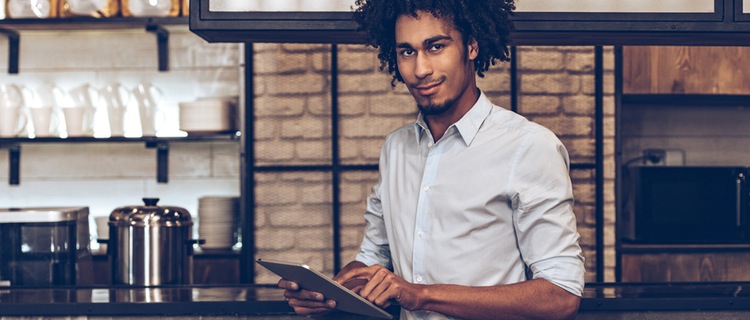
{"points": [[151, 245]]}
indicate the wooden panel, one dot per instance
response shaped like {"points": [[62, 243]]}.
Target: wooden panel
{"points": [[691, 70], [686, 267]]}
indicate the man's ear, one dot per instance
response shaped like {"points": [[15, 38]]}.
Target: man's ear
{"points": [[473, 49]]}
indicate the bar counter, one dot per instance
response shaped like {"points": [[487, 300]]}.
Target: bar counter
{"points": [[600, 301]]}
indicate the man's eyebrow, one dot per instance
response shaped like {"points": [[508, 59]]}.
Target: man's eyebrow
{"points": [[425, 43]]}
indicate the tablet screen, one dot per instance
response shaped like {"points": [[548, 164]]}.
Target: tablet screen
{"points": [[310, 279]]}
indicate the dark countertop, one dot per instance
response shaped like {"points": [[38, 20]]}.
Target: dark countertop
{"points": [[268, 300]]}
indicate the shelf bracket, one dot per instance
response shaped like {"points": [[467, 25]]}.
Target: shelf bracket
{"points": [[14, 40], [162, 43], [14, 164], [162, 159]]}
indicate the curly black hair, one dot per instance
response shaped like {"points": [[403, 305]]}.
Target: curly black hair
{"points": [[486, 21]]}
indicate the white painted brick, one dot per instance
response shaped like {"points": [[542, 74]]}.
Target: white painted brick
{"points": [[225, 159], [101, 161], [188, 160]]}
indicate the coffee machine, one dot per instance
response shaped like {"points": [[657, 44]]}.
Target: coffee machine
{"points": [[45, 247]]}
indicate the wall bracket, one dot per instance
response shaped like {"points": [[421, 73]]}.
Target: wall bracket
{"points": [[162, 43], [14, 40], [162, 159]]}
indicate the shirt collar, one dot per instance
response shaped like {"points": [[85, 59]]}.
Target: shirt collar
{"points": [[467, 126]]}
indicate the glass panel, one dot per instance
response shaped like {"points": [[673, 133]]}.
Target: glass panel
{"points": [[280, 5], [293, 220], [618, 6], [369, 108], [292, 104], [556, 90]]}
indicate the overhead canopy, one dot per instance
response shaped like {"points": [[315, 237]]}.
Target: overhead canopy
{"points": [[538, 22]]}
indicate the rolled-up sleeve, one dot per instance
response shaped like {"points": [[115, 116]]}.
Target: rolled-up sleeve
{"points": [[543, 216]]}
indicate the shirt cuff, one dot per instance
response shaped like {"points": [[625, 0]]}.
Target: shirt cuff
{"points": [[565, 272]]}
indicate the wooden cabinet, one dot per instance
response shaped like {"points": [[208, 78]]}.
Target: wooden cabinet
{"points": [[686, 70], [688, 263]]}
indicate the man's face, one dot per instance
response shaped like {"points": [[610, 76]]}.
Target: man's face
{"points": [[433, 62]]}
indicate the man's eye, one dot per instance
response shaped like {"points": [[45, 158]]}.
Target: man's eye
{"points": [[436, 47], [407, 53]]}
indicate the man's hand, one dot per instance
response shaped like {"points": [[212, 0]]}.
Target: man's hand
{"points": [[383, 286], [306, 302]]}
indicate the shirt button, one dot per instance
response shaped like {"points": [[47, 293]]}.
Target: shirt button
{"points": [[420, 234], [419, 278], [429, 145], [427, 188]]}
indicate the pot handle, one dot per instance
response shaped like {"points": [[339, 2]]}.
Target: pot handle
{"points": [[191, 242]]}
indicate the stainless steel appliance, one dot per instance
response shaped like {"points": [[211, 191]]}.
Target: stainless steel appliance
{"points": [[45, 246], [150, 245], [682, 205]]}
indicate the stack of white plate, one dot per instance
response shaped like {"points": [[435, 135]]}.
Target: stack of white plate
{"points": [[217, 221], [209, 115]]}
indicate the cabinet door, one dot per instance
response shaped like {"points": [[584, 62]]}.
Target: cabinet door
{"points": [[686, 267], [686, 70]]}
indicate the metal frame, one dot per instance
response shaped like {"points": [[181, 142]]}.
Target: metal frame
{"points": [[336, 168], [727, 25]]}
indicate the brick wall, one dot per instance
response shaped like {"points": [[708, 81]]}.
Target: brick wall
{"points": [[293, 127]]}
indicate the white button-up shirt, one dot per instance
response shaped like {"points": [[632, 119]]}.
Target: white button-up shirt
{"points": [[476, 207]]}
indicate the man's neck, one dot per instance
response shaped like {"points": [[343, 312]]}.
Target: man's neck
{"points": [[438, 124]]}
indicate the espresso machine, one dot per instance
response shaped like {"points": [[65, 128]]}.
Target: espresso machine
{"points": [[45, 247]]}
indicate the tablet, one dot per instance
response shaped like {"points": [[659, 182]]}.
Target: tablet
{"points": [[310, 279]]}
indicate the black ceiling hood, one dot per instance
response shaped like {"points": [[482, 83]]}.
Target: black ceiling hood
{"points": [[726, 26]]}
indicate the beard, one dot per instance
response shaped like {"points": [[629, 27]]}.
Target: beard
{"points": [[434, 108]]}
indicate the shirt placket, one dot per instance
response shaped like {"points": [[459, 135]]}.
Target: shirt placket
{"points": [[421, 229]]}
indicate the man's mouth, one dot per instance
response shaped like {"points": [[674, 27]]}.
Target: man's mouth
{"points": [[428, 89]]}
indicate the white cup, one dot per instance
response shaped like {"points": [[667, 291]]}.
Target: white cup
{"points": [[148, 97], [46, 121], [48, 95], [84, 95], [116, 97], [12, 122], [150, 8], [11, 96], [102, 230], [79, 121]]}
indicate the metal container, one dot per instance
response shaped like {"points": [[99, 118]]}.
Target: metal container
{"points": [[150, 245], [45, 246]]}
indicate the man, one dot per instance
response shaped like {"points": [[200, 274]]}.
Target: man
{"points": [[473, 209]]}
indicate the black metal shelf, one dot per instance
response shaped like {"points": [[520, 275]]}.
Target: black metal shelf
{"points": [[718, 100], [12, 29], [161, 144]]}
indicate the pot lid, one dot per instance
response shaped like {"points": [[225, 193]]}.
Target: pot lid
{"points": [[150, 215]]}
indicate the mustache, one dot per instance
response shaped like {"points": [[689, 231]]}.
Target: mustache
{"points": [[427, 82]]}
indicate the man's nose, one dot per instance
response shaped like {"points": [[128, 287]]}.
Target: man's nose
{"points": [[423, 66]]}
